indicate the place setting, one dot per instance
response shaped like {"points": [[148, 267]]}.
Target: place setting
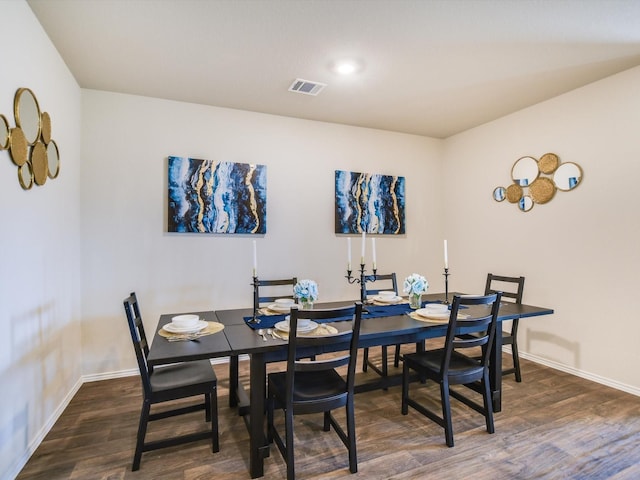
{"points": [[279, 307], [434, 313], [387, 297], [306, 328], [188, 327]]}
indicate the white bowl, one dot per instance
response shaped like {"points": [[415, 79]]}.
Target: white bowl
{"points": [[284, 302], [302, 322], [437, 308], [387, 294], [185, 321]]}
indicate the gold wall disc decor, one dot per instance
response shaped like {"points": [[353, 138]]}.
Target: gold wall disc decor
{"points": [[514, 193], [19, 147], [46, 128], [537, 181], [39, 163], [542, 190], [548, 163], [4, 133], [29, 143]]}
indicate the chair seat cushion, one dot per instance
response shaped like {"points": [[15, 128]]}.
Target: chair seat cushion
{"points": [[431, 361], [182, 375], [309, 385]]}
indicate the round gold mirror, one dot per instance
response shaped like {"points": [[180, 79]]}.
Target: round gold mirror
{"points": [[542, 190], [4, 133], [525, 171], [568, 176], [525, 204], [53, 159], [25, 176], [27, 113], [499, 194]]}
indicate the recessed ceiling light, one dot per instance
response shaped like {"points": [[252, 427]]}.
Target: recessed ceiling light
{"points": [[346, 67]]}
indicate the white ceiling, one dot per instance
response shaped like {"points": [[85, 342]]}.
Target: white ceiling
{"points": [[429, 67]]}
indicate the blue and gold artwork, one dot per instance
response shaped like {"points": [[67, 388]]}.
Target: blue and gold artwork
{"points": [[206, 196], [369, 203]]}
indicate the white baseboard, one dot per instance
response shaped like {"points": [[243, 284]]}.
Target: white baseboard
{"points": [[578, 373], [21, 461]]}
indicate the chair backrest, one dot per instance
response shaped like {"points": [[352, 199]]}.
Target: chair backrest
{"points": [[259, 299], [297, 344], [512, 288], [481, 319], [140, 344], [385, 281]]}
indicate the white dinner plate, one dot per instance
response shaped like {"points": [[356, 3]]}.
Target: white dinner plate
{"points": [[425, 313], [284, 326], [387, 299], [169, 327], [280, 308]]}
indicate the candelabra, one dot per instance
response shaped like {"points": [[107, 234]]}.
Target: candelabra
{"points": [[362, 280], [256, 301], [446, 286]]}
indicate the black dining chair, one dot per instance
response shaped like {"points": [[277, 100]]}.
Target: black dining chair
{"points": [[280, 288], [450, 366], [496, 283], [382, 283], [171, 382], [314, 386]]}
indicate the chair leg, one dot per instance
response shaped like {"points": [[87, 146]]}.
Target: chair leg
{"points": [[365, 359], [142, 432], [327, 421], [516, 360], [405, 388], [291, 473], [488, 404], [351, 433], [396, 357], [215, 432], [446, 413]]}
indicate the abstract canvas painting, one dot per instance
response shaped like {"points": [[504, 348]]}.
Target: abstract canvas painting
{"points": [[207, 196], [369, 203]]}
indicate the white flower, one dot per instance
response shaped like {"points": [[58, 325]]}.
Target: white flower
{"points": [[306, 290], [415, 284]]}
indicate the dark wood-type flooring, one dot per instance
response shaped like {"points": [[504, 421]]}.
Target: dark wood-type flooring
{"points": [[553, 426]]}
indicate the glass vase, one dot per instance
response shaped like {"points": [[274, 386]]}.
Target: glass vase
{"points": [[415, 300], [306, 304]]}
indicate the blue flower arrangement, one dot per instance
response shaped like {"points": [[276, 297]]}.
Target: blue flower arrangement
{"points": [[415, 284], [306, 290]]}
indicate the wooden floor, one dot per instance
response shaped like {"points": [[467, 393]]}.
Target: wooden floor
{"points": [[553, 426]]}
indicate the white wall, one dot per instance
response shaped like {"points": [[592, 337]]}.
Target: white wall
{"points": [[579, 253], [126, 141], [40, 349]]}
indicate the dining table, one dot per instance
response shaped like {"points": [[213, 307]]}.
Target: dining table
{"points": [[239, 339]]}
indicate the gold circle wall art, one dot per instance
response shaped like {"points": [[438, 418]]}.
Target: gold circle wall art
{"points": [[536, 181], [29, 143]]}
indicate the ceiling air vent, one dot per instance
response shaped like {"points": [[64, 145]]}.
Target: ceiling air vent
{"points": [[307, 87]]}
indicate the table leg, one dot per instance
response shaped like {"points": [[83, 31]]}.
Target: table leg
{"points": [[233, 381], [495, 369], [259, 449]]}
